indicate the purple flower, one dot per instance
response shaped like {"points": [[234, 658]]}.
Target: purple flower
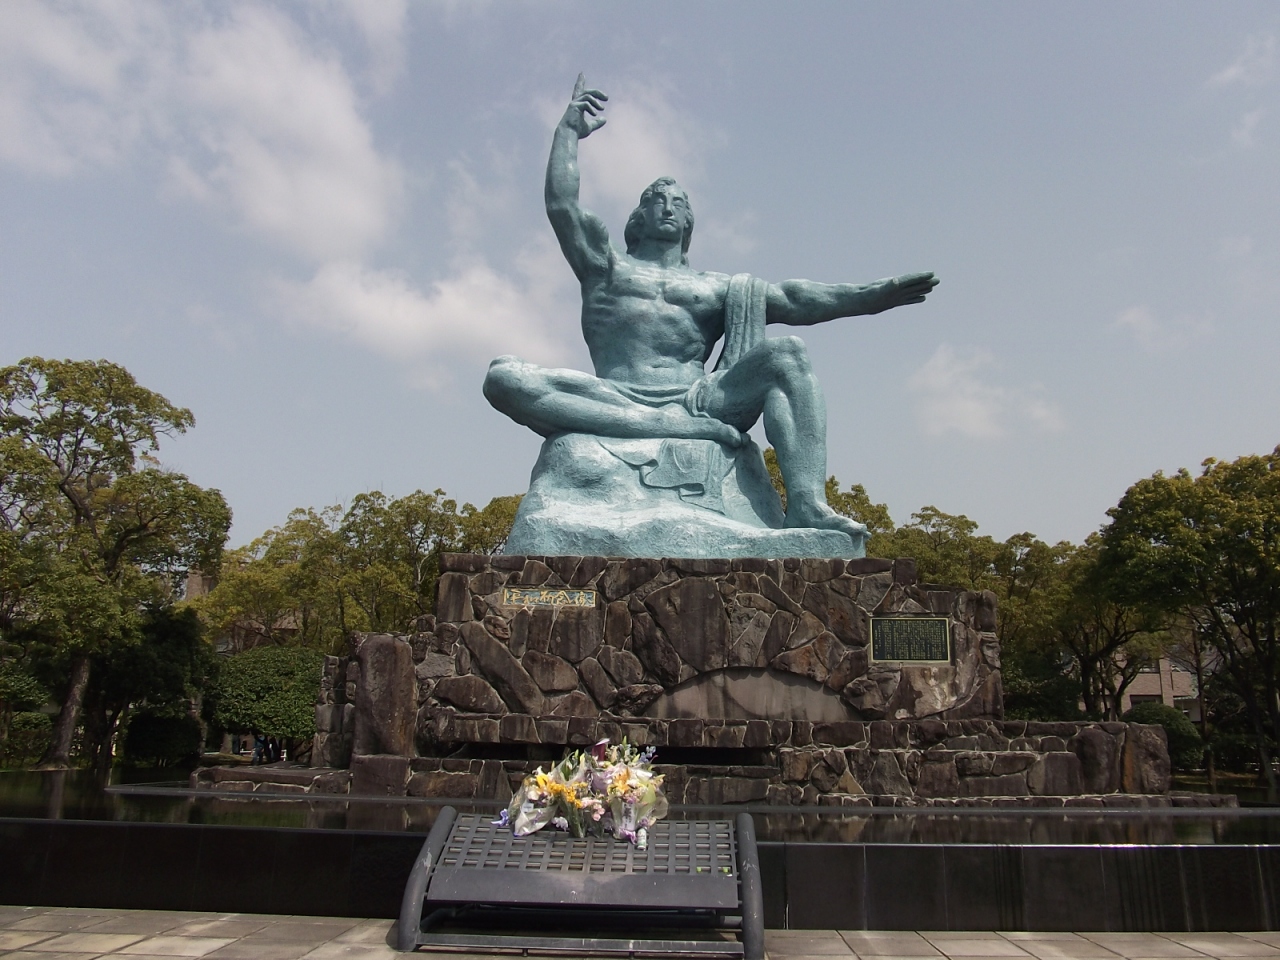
{"points": [[502, 821]]}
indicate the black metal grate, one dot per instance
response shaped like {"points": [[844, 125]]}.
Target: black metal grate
{"points": [[705, 847]]}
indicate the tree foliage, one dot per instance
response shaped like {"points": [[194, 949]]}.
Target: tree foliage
{"points": [[1207, 549], [93, 532], [268, 690], [160, 739], [323, 575], [163, 667]]}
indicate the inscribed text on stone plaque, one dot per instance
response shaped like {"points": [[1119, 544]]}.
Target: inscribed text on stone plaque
{"points": [[547, 597]]}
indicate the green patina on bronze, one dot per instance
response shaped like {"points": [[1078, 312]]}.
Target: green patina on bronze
{"points": [[648, 456]]}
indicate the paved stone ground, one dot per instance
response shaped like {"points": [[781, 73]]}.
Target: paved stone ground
{"points": [[51, 933]]}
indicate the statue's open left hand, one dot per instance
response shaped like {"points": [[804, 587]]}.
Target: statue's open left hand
{"points": [[908, 288], [583, 113]]}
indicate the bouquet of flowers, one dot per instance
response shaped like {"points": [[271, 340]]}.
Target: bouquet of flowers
{"points": [[609, 788]]}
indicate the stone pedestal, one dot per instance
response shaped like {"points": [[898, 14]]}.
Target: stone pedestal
{"points": [[761, 675], [696, 653]]}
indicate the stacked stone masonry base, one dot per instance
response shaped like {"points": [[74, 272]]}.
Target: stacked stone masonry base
{"points": [[757, 676]]}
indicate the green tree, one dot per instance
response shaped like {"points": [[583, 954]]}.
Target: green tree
{"points": [[1207, 548], [161, 669], [19, 691], [373, 567], [947, 549], [1109, 636], [268, 690], [97, 530]]}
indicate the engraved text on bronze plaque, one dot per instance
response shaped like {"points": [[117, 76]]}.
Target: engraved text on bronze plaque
{"points": [[918, 639]]}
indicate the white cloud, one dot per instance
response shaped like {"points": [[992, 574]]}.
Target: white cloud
{"points": [[647, 136], [475, 313], [955, 395], [246, 112], [75, 82], [381, 24], [1162, 336], [279, 138], [1253, 67]]}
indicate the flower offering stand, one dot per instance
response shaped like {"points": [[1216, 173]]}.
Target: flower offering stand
{"points": [[695, 889]]}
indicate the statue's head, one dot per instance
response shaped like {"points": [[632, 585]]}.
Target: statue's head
{"points": [[645, 217]]}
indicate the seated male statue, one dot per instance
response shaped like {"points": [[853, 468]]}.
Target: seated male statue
{"points": [[641, 455]]}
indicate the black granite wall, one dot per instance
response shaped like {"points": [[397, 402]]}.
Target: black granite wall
{"points": [[806, 885]]}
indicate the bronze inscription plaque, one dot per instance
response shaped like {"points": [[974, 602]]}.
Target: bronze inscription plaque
{"points": [[547, 597], [916, 639]]}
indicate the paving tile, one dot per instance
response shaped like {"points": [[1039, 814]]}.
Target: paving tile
{"points": [[231, 927], [1019, 935], [806, 934], [903, 944], [1225, 945], [1142, 946], [85, 942], [57, 921], [264, 950], [353, 951], [989, 946], [177, 946], [894, 948], [29, 955], [140, 923], [372, 931], [794, 946], [10, 913], [294, 929], [1262, 936], [1065, 949], [17, 939]]}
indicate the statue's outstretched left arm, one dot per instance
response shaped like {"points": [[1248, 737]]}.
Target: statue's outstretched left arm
{"points": [[804, 302]]}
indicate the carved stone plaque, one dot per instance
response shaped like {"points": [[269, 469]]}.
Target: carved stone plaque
{"points": [[547, 597], [911, 639]]}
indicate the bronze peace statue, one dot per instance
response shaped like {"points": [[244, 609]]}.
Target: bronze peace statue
{"points": [[649, 457]]}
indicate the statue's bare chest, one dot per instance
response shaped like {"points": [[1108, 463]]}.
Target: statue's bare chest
{"points": [[660, 291]]}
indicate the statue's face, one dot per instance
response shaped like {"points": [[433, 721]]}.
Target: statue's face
{"points": [[666, 213]]}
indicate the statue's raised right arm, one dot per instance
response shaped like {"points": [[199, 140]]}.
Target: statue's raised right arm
{"points": [[582, 235]]}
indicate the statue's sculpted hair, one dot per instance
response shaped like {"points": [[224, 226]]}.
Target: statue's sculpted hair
{"points": [[631, 233]]}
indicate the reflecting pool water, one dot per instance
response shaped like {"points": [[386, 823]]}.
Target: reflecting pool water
{"points": [[74, 795]]}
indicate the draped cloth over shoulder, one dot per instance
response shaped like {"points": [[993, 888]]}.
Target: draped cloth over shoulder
{"points": [[667, 497], [744, 318], [696, 469]]}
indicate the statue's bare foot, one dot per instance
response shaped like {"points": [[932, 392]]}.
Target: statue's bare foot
{"points": [[818, 515]]}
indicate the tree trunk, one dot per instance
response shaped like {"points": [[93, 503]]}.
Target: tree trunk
{"points": [[98, 728], [58, 756]]}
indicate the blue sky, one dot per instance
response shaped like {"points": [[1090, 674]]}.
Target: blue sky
{"points": [[315, 224]]}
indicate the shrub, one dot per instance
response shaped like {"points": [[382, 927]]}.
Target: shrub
{"points": [[158, 740], [29, 735], [269, 690], [1186, 749], [1236, 752]]}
